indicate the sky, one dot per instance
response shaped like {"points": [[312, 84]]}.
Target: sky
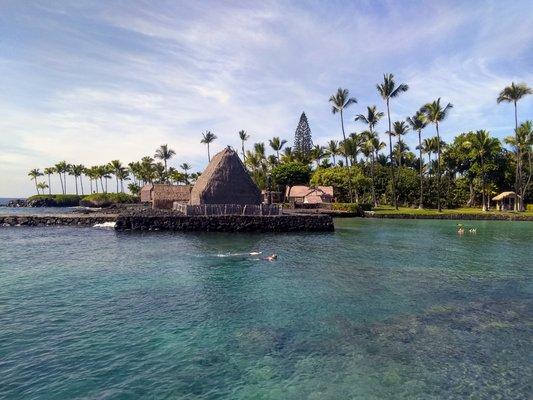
{"points": [[92, 81]]}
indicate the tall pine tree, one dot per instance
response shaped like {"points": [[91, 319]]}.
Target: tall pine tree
{"points": [[303, 143]]}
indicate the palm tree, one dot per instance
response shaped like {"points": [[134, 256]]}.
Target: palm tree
{"points": [[164, 153], [244, 137], [288, 155], [522, 143], [333, 149], [483, 147], [76, 171], [61, 169], [208, 138], [49, 171], [123, 175], [41, 186], [34, 174], [417, 123], [116, 166], [317, 154], [339, 101], [388, 90], [371, 118], [185, 167], [399, 129], [277, 144], [436, 113], [512, 94]]}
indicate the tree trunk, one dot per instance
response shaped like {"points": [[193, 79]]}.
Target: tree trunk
{"points": [[344, 137], [208, 153], [420, 205], [65, 179], [76, 183], [438, 168], [483, 206], [49, 185], [373, 180], [81, 184], [36, 188], [393, 180], [243, 154]]}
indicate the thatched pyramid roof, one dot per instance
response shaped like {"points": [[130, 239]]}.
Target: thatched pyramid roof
{"points": [[225, 181]]}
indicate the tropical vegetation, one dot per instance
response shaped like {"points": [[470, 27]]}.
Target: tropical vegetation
{"points": [[467, 170]]}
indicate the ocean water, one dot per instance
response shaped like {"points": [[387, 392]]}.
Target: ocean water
{"points": [[379, 309]]}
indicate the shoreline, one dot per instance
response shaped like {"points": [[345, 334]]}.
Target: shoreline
{"points": [[155, 221]]}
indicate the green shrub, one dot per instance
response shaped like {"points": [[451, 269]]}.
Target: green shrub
{"points": [[102, 199], [529, 207], [349, 207]]}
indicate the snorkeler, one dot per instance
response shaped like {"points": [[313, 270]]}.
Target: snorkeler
{"points": [[460, 229], [272, 257]]}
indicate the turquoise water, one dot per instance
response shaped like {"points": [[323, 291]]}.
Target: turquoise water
{"points": [[380, 309]]}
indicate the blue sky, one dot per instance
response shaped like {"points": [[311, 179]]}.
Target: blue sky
{"points": [[92, 81]]}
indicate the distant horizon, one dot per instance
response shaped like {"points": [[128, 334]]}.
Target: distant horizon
{"points": [[92, 82]]}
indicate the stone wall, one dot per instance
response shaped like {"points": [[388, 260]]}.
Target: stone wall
{"points": [[227, 223], [48, 220]]}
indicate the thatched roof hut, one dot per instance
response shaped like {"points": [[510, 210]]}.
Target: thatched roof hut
{"points": [[163, 196], [225, 181], [505, 201]]}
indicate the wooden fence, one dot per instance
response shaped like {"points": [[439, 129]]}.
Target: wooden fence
{"points": [[227, 209]]}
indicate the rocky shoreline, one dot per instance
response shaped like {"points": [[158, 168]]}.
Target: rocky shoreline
{"points": [[155, 220], [477, 217]]}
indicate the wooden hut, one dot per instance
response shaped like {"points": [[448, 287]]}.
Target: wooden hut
{"points": [[163, 196], [505, 201], [225, 181]]}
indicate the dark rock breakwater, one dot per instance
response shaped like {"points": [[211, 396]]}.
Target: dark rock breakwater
{"points": [[227, 223], [150, 220], [55, 219]]}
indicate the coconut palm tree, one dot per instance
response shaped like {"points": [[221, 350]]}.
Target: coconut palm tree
{"points": [[512, 94], [123, 175], [185, 167], [208, 138], [244, 137], [164, 153], [317, 154], [436, 113], [288, 155], [49, 171], [522, 143], [333, 149], [34, 174], [399, 129], [388, 90], [41, 186], [371, 118], [339, 102], [116, 167], [482, 148], [418, 122], [61, 169], [76, 171], [277, 144]]}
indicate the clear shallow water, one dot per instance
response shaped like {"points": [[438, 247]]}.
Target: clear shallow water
{"points": [[35, 210], [380, 309]]}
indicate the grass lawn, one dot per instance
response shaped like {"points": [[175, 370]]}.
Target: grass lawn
{"points": [[386, 209]]}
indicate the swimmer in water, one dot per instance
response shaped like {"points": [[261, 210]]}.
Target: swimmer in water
{"points": [[272, 257], [460, 229], [473, 231]]}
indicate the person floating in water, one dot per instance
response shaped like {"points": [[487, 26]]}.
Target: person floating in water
{"points": [[460, 229], [473, 231], [272, 257]]}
